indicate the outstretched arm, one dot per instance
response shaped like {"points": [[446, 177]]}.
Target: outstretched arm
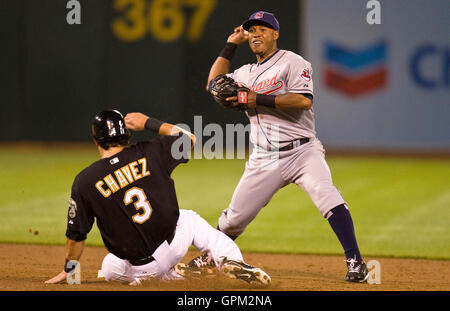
{"points": [[288, 100], [74, 249], [137, 121]]}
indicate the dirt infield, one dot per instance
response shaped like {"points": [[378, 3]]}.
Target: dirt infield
{"points": [[26, 267]]}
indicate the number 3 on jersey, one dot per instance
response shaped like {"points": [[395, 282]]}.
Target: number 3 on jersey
{"points": [[140, 203]]}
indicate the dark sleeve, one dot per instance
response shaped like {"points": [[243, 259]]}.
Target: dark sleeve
{"points": [[173, 150], [309, 96], [80, 217]]}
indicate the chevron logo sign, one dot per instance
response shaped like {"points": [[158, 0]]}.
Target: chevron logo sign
{"points": [[356, 72]]}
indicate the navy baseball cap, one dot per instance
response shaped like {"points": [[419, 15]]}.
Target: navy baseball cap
{"points": [[261, 17]]}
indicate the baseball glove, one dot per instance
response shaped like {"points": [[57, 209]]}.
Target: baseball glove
{"points": [[223, 87]]}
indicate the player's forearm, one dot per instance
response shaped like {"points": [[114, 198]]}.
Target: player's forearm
{"points": [[220, 66], [137, 121], [223, 62], [288, 100], [292, 100], [74, 249], [168, 129]]}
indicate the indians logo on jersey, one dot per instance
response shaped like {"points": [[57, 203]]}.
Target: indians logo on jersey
{"points": [[268, 86], [356, 72], [306, 75]]}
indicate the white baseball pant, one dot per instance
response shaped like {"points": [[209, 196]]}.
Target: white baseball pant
{"points": [[191, 230], [267, 172]]}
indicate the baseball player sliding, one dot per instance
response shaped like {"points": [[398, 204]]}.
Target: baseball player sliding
{"points": [[131, 194], [276, 93]]}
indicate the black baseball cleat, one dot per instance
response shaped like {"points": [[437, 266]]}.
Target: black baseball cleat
{"points": [[357, 271], [201, 266], [242, 271]]}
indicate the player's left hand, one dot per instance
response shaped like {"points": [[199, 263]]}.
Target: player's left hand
{"points": [[62, 276], [135, 121], [251, 98]]}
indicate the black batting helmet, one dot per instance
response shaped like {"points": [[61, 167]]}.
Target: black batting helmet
{"points": [[108, 129]]}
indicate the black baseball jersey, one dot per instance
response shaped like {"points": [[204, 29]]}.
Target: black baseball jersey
{"points": [[132, 196]]}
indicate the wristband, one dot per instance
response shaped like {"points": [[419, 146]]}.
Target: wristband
{"points": [[153, 124], [68, 269], [228, 51], [265, 100]]}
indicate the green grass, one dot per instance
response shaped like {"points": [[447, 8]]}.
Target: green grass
{"points": [[400, 206]]}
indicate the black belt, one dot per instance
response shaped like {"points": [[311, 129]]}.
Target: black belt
{"points": [[149, 259], [292, 144]]}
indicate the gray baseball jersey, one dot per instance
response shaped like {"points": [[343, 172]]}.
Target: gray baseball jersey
{"points": [[283, 72], [273, 128]]}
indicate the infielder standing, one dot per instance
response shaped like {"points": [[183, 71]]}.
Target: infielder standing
{"points": [[131, 194], [282, 122]]}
